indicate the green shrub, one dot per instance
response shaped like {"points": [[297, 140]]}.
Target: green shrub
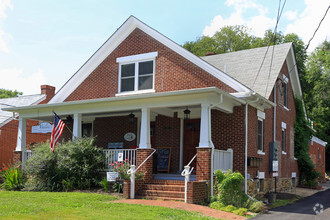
{"points": [[73, 165], [229, 208], [257, 207], [229, 188], [104, 183], [12, 177], [240, 211]]}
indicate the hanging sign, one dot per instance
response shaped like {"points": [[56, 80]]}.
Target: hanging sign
{"points": [[112, 176], [44, 127], [120, 157], [275, 174], [275, 165]]}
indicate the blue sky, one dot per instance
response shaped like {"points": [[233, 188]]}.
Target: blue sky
{"points": [[45, 41]]}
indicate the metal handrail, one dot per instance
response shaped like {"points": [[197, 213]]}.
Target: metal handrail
{"points": [[186, 173], [129, 171], [132, 172]]}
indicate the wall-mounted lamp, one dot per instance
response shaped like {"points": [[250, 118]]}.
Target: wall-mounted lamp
{"points": [[186, 114], [131, 118]]}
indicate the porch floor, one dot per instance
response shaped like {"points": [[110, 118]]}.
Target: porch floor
{"points": [[169, 176]]}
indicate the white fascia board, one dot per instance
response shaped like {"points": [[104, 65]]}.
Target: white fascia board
{"points": [[319, 141], [122, 33], [137, 57], [292, 66]]}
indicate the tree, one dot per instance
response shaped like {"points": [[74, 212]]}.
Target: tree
{"points": [[4, 93], [317, 93]]}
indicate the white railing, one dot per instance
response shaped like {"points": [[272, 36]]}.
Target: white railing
{"points": [[27, 155], [186, 173], [132, 172], [223, 160], [111, 156]]}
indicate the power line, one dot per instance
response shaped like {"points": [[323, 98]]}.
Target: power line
{"points": [[317, 27], [279, 14]]}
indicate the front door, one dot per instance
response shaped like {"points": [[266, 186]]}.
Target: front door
{"points": [[191, 140]]}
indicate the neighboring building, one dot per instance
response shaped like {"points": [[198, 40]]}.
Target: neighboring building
{"points": [[9, 123], [142, 89], [317, 154]]}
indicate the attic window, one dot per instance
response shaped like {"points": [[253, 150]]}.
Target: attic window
{"points": [[137, 73]]}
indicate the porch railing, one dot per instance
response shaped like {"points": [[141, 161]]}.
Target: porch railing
{"points": [[223, 160], [186, 173], [28, 154], [111, 156]]}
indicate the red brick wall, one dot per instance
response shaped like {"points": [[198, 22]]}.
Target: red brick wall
{"points": [[8, 139], [319, 162], [203, 164], [113, 129], [172, 71], [167, 134], [146, 168], [228, 132]]}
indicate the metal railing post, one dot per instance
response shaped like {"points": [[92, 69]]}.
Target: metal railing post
{"points": [[186, 180], [132, 193]]}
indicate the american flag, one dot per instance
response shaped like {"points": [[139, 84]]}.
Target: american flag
{"points": [[57, 131]]}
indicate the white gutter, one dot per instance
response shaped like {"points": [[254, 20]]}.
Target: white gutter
{"points": [[274, 126]]}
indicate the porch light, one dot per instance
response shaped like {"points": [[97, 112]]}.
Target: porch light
{"points": [[186, 114], [131, 118]]}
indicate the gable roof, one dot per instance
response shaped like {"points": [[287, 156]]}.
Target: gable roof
{"points": [[252, 67], [119, 36], [26, 100]]}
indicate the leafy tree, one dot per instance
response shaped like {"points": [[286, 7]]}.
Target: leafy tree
{"points": [[4, 93], [318, 90]]}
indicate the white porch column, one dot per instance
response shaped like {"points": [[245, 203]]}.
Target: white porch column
{"points": [[181, 144], [145, 128], [205, 131], [21, 135], [76, 126]]}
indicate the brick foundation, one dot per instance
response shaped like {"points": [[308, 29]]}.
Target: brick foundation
{"points": [[197, 192], [127, 189], [17, 158], [147, 167]]}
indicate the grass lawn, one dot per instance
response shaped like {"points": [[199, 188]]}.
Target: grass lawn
{"points": [[283, 202], [71, 205]]}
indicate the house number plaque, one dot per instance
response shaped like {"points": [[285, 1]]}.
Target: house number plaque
{"points": [[129, 136]]}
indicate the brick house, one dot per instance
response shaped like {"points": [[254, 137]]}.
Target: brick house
{"points": [[9, 125], [317, 154], [140, 89]]}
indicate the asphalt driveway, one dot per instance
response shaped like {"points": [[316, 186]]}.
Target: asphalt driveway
{"points": [[316, 206]]}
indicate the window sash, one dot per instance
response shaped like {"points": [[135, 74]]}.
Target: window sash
{"points": [[283, 141], [285, 94], [260, 135], [144, 77]]}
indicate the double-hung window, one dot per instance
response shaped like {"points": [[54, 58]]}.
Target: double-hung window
{"points": [[260, 132], [285, 91], [137, 73], [283, 141]]}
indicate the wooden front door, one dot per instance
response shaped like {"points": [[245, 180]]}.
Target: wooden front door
{"points": [[191, 140]]}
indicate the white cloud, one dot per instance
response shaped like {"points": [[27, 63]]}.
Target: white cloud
{"points": [[290, 15], [13, 79], [306, 23], [258, 23], [4, 4]]}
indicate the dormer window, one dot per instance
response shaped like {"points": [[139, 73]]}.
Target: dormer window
{"points": [[137, 73]]}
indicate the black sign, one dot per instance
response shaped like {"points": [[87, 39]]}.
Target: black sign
{"points": [[164, 159]]}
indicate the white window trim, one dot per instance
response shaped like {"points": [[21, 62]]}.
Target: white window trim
{"points": [[261, 152], [283, 129], [136, 59]]}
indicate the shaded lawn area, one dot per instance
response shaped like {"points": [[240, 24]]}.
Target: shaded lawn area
{"points": [[59, 205]]}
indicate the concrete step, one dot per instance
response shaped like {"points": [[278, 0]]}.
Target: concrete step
{"points": [[167, 182]]}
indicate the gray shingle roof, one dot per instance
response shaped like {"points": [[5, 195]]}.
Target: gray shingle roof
{"points": [[17, 102], [244, 66]]}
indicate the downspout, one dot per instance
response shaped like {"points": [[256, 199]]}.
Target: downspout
{"points": [[246, 142], [212, 145]]}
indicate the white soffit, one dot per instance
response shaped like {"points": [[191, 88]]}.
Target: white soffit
{"points": [[114, 41]]}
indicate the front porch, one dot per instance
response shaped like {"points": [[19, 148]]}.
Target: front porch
{"points": [[135, 126]]}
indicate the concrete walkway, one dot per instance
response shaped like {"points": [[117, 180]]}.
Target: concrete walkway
{"points": [[204, 210]]}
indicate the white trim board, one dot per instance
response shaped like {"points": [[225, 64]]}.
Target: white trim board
{"points": [[119, 36]]}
